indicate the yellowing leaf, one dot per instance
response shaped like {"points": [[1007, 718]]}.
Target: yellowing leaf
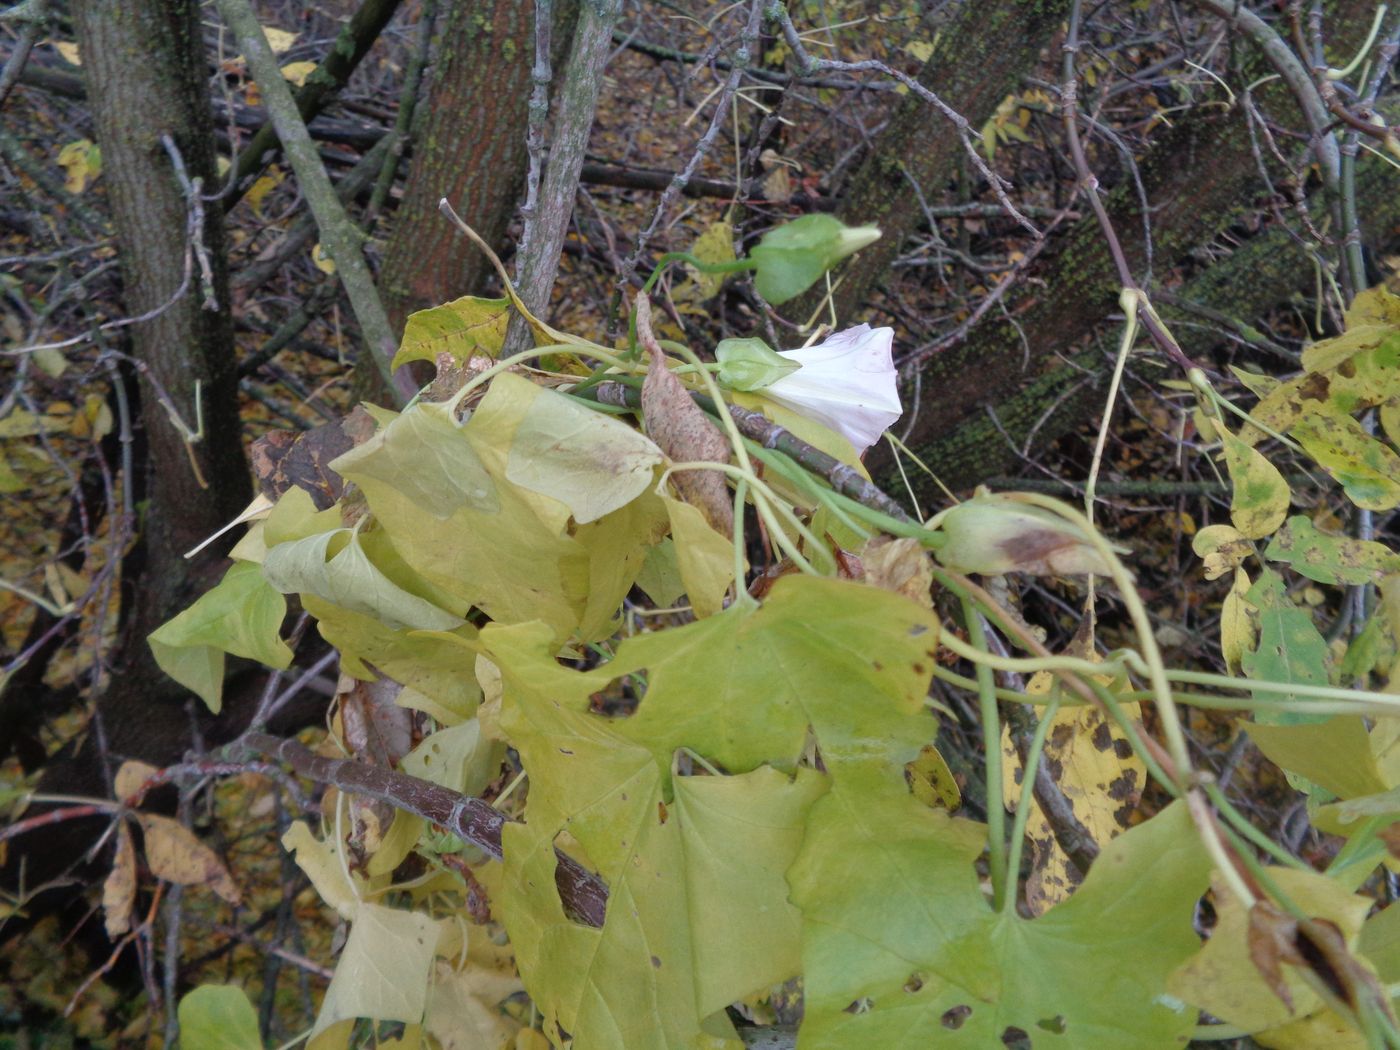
{"points": [[318, 859], [278, 39], [82, 160], [514, 558], [383, 971], [297, 72], [262, 186], [464, 1004], [436, 665], [69, 51], [458, 758], [1237, 631], [350, 580], [1260, 499], [609, 782], [321, 260], [425, 455], [715, 245], [1335, 754], [1223, 980], [1366, 468], [464, 327], [175, 855], [704, 558], [1100, 777], [588, 461], [130, 777]]}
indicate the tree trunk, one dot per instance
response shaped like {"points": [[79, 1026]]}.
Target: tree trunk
{"points": [[144, 67], [1198, 178], [1257, 277], [979, 58], [468, 146]]}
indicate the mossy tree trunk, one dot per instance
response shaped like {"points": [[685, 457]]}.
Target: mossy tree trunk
{"points": [[979, 58], [1198, 177]]}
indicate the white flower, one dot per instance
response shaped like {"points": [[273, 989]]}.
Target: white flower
{"points": [[847, 383]]}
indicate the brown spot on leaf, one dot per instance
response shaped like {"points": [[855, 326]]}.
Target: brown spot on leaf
{"points": [[955, 1018]]}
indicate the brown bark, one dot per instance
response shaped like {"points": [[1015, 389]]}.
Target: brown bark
{"points": [[468, 146]]}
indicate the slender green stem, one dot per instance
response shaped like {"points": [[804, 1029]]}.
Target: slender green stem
{"points": [[1241, 824], [991, 749], [508, 363]]}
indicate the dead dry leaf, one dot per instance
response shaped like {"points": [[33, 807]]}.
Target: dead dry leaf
{"points": [[130, 777], [175, 855], [119, 891], [684, 433]]}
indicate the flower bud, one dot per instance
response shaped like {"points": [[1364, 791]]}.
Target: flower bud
{"points": [[790, 258], [992, 534], [750, 364]]}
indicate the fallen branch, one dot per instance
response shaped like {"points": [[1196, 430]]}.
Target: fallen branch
{"points": [[472, 820]]}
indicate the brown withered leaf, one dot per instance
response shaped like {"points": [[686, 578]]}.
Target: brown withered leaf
{"points": [[283, 459], [684, 432], [1271, 939], [1315, 945], [175, 855], [119, 890], [900, 565]]}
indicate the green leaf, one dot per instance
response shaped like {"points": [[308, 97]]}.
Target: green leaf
{"points": [[1366, 468], [750, 364], [1290, 649], [458, 758], [844, 663], [350, 580], [436, 665], [512, 558], [789, 259], [242, 616], [1330, 559], [1261, 497], [383, 971], [218, 1017], [424, 454], [704, 557], [897, 927], [660, 575], [466, 326], [1335, 754], [590, 462]]}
